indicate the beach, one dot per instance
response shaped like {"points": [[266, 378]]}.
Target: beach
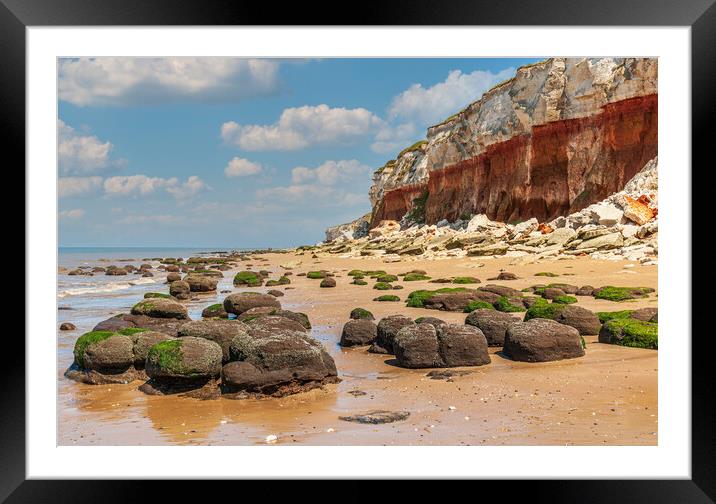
{"points": [[607, 397]]}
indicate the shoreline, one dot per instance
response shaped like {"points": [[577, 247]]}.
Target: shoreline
{"points": [[607, 397]]}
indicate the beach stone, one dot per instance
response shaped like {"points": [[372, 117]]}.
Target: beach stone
{"points": [[269, 324], [186, 357], [147, 274], [143, 341], [585, 290], [501, 290], [220, 331], [492, 323], [542, 340], [180, 289], [585, 321], [376, 417], [299, 317], [388, 327], [253, 313], [567, 288], [116, 272], [173, 277], [448, 345], [646, 314], [357, 332], [112, 353], [276, 363], [505, 275], [214, 311], [433, 321], [127, 320], [160, 308], [608, 241], [328, 282], [67, 326], [240, 302], [173, 268], [275, 293], [552, 293], [361, 313], [201, 283]]}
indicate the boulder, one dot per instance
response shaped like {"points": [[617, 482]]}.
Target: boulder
{"points": [[357, 332], [240, 302], [541, 340], [384, 228], [275, 293], [630, 332], [122, 321], [388, 327], [361, 313], [173, 277], [201, 283], [433, 321], [492, 323], [646, 314], [160, 308], [328, 282], [115, 352], [585, 290], [180, 289], [143, 341], [220, 331], [268, 324], [637, 211], [215, 311], [448, 345], [276, 363], [607, 241], [552, 293], [67, 326], [501, 291]]}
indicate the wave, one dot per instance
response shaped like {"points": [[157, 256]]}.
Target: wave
{"points": [[103, 288]]}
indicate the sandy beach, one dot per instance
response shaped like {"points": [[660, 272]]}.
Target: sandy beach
{"points": [[607, 397]]}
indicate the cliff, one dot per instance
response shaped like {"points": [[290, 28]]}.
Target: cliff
{"points": [[561, 135]]}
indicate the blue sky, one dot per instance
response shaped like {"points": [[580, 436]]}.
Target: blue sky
{"points": [[228, 152]]}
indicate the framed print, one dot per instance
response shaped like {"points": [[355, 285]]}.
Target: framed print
{"points": [[259, 245]]}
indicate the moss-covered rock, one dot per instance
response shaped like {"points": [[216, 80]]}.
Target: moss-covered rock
{"points": [[414, 277], [546, 274], [382, 286], [160, 308], [607, 316], [328, 282], [358, 281], [565, 300], [86, 340], [465, 280], [508, 305], [240, 302], [387, 278], [417, 299], [131, 331], [361, 313], [387, 297], [248, 278], [478, 305], [316, 275], [214, 311], [630, 332], [187, 357], [149, 295], [611, 293]]}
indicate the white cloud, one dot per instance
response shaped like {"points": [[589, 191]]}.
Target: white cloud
{"points": [[301, 127], [149, 219], [82, 154], [76, 213], [142, 81], [435, 103], [78, 186], [330, 172], [315, 195], [141, 185], [239, 167], [392, 138]]}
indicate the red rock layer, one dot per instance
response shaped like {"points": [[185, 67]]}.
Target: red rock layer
{"points": [[558, 168]]}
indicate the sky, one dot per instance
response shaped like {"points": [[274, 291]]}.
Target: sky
{"points": [[240, 153]]}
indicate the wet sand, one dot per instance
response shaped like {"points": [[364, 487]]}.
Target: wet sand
{"points": [[608, 397]]}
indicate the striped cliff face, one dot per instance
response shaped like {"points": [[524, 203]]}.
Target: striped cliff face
{"points": [[562, 134]]}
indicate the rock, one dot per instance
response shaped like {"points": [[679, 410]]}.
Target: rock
{"points": [[585, 321], [387, 329], [143, 341], [376, 417], [560, 236], [608, 241], [269, 324], [201, 283], [180, 289], [361, 313], [646, 314], [160, 308], [525, 227], [67, 326], [358, 332], [248, 278], [240, 302], [433, 321], [479, 222], [384, 228], [504, 275], [501, 290], [585, 290], [541, 340], [275, 293], [215, 311], [114, 352], [606, 213], [277, 363], [122, 321], [328, 282], [220, 331], [492, 323], [116, 272], [630, 332], [447, 345], [488, 249], [637, 211], [552, 293], [173, 277]]}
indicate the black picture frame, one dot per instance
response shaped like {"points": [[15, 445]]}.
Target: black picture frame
{"points": [[700, 15]]}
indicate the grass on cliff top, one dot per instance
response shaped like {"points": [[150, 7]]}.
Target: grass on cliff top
{"points": [[635, 333], [247, 278], [416, 299], [417, 145], [86, 340], [611, 293]]}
